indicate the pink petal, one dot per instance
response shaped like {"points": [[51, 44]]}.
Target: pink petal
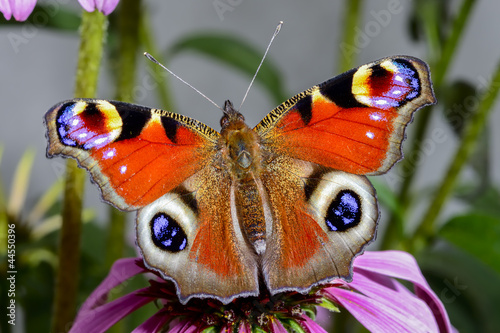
{"points": [[402, 265], [122, 270], [107, 6], [375, 316], [310, 325], [324, 318], [392, 294], [88, 5], [245, 327], [103, 317], [154, 323], [104, 6], [21, 9], [276, 326], [5, 9]]}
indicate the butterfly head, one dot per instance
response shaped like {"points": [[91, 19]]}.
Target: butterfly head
{"points": [[231, 116], [239, 142]]}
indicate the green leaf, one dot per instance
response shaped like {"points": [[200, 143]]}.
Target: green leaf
{"points": [[257, 330], [467, 288], [477, 234], [460, 99], [20, 183], [234, 52], [486, 202], [293, 325], [210, 329], [415, 21], [329, 305], [46, 202], [52, 15], [388, 198], [456, 98], [310, 312]]}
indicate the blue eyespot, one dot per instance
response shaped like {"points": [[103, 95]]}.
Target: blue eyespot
{"points": [[344, 212], [167, 233]]}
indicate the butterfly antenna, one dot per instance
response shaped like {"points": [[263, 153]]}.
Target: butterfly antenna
{"points": [[150, 57], [276, 32]]}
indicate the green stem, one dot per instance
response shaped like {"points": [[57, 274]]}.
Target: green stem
{"points": [[128, 30], [427, 228], [89, 58], [439, 70], [348, 47], [160, 76]]}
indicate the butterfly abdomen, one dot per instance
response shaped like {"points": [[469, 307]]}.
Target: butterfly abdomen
{"points": [[250, 213]]}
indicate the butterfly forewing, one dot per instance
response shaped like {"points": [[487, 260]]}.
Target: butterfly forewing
{"points": [[354, 122], [134, 153]]}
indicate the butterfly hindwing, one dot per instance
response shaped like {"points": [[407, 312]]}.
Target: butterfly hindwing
{"points": [[322, 218], [190, 236], [134, 153], [354, 122]]}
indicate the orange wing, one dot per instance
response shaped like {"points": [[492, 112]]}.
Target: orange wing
{"points": [[135, 154], [354, 122], [317, 147]]}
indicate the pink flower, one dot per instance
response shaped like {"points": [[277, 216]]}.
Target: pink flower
{"points": [[374, 297], [104, 6], [382, 304], [21, 9]]}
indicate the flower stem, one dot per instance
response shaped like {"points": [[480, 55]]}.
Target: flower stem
{"points": [[128, 30], [427, 228], [159, 75], [93, 27], [348, 45], [439, 70]]}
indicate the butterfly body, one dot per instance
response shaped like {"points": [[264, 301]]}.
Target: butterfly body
{"points": [[285, 204]]}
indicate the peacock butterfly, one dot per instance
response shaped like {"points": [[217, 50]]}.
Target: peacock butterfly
{"points": [[285, 205]]}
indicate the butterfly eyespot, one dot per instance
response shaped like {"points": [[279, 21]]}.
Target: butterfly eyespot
{"points": [[167, 234], [344, 212], [87, 125]]}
